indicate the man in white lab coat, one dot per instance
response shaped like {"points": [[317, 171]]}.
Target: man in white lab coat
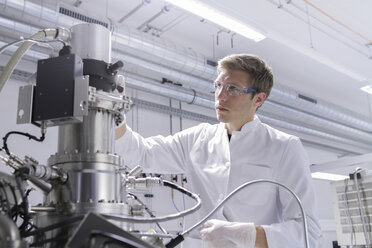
{"points": [[218, 158]]}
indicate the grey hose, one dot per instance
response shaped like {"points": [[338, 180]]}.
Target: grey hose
{"points": [[12, 63], [181, 237], [162, 218]]}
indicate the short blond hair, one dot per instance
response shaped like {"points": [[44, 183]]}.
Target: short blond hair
{"points": [[260, 73]]}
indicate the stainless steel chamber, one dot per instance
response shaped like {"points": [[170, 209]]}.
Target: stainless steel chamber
{"points": [[85, 184]]}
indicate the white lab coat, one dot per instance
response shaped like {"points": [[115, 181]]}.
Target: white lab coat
{"points": [[214, 167]]}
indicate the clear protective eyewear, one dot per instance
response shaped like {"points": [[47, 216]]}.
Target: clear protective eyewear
{"points": [[232, 90]]}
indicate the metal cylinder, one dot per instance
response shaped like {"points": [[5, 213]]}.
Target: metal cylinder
{"points": [[9, 234], [89, 182], [95, 135], [91, 41], [86, 150]]}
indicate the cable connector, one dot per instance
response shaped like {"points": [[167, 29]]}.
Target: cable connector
{"points": [[132, 182], [46, 173]]}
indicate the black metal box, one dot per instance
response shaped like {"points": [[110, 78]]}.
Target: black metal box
{"points": [[54, 91]]}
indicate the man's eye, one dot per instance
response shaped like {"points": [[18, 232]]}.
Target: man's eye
{"points": [[232, 88]]}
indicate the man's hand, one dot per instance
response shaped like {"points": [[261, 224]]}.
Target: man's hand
{"points": [[120, 91], [223, 234]]}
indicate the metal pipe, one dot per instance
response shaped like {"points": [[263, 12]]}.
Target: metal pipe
{"points": [[279, 94], [135, 9], [170, 56], [136, 65], [9, 234], [43, 209], [8, 229], [162, 11], [289, 97], [179, 93], [353, 146], [306, 119], [174, 92]]}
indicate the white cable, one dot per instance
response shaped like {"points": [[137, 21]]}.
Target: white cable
{"points": [[12, 63], [361, 208], [2, 49], [350, 222]]}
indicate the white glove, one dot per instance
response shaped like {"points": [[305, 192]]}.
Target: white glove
{"points": [[223, 234]]}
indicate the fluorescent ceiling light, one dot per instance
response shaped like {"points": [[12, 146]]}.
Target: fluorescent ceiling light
{"points": [[367, 88], [213, 15], [328, 176]]}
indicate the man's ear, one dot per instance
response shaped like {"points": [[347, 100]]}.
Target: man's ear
{"points": [[260, 98]]}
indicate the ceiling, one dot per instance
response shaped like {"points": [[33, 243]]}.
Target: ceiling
{"points": [[317, 47], [314, 49]]}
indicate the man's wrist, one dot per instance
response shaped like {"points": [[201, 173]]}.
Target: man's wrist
{"points": [[120, 130], [261, 241]]}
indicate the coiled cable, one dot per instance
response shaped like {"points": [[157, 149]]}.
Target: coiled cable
{"points": [[175, 241]]}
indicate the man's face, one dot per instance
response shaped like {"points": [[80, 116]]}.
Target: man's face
{"points": [[236, 110]]}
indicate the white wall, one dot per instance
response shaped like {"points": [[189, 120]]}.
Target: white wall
{"points": [[147, 123]]}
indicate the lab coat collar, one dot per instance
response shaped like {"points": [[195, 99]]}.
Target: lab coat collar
{"points": [[247, 127]]}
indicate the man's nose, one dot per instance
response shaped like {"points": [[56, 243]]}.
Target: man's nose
{"points": [[221, 93]]}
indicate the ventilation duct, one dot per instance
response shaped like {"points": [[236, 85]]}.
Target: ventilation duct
{"points": [[311, 121], [46, 14], [174, 92], [81, 17], [171, 57], [332, 140], [181, 94], [150, 54], [332, 112], [139, 66]]}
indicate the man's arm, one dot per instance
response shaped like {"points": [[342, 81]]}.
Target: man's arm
{"points": [[162, 154], [295, 174], [165, 155]]}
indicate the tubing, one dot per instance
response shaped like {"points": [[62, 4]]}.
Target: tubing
{"points": [[162, 218], [181, 237], [179, 59], [9, 68]]}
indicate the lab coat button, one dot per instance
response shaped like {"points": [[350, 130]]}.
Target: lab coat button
{"points": [[227, 164]]}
